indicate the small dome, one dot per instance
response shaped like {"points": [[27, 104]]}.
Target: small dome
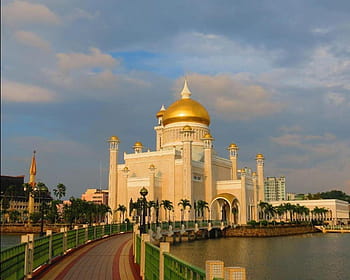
{"points": [[186, 110], [187, 128], [138, 144], [207, 136], [152, 166], [125, 169], [260, 156], [232, 146], [113, 138]]}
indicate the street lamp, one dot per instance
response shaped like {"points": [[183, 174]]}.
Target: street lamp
{"points": [[143, 193], [40, 189]]}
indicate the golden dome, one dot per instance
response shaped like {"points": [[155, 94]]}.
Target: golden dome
{"points": [[260, 156], [232, 146], [113, 138], [186, 110], [138, 144], [187, 128], [126, 169], [207, 136], [152, 166]]}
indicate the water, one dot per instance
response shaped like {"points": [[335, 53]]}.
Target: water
{"points": [[302, 257], [10, 239]]}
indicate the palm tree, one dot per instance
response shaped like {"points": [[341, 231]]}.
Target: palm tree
{"points": [[269, 211], [122, 209], [168, 206], [60, 191], [184, 203], [262, 206], [201, 206], [151, 204], [280, 210]]}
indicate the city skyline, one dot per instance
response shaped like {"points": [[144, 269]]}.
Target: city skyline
{"points": [[73, 75]]}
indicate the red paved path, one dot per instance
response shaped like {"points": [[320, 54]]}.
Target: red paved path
{"points": [[110, 258]]}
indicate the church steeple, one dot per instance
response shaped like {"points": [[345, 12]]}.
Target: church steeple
{"points": [[186, 93]]}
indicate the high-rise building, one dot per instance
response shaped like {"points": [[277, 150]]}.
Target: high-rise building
{"points": [[275, 188], [97, 196]]}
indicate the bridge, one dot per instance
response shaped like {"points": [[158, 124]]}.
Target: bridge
{"points": [[100, 252], [335, 229]]}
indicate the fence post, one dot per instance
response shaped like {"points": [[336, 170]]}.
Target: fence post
{"points": [[76, 235], [235, 273], [86, 233], [214, 269], [144, 238], [28, 256], [164, 247], [94, 225], [103, 230], [134, 234], [49, 233], [64, 239]]}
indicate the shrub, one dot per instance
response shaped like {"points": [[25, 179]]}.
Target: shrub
{"points": [[252, 223], [264, 223]]}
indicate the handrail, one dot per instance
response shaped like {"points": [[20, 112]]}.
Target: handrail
{"points": [[42, 250]]}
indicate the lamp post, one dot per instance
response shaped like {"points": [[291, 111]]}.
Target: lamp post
{"points": [[40, 189], [143, 193]]}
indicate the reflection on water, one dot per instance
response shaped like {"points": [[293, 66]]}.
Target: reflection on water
{"points": [[302, 257], [10, 239]]}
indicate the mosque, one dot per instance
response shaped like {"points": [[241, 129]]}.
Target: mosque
{"points": [[186, 166]]}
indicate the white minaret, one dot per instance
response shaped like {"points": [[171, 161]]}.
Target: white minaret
{"points": [[187, 133], [208, 167], [113, 173], [233, 149], [260, 180]]}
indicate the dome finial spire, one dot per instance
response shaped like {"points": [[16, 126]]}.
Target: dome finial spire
{"points": [[185, 93]]}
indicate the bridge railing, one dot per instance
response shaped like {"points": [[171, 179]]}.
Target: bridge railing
{"points": [[21, 260]]}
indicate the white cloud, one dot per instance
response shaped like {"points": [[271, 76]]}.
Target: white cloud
{"points": [[22, 12], [31, 39], [18, 92], [230, 98], [70, 61]]}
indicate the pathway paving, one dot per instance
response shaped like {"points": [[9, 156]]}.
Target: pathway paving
{"points": [[108, 259]]}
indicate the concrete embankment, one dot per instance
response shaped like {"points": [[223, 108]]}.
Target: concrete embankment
{"points": [[27, 229], [268, 231]]}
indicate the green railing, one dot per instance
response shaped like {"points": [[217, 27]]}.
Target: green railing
{"points": [[176, 269], [46, 248], [12, 262], [152, 262]]}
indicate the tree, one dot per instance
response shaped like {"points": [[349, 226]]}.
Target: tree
{"points": [[122, 209], [184, 203], [201, 206], [60, 191], [168, 206]]}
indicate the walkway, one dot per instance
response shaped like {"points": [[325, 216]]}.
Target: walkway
{"points": [[109, 258]]}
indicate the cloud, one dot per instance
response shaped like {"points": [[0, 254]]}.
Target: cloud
{"points": [[71, 61], [231, 99], [18, 92], [31, 39], [21, 12]]}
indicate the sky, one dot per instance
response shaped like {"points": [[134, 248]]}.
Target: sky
{"points": [[273, 75]]}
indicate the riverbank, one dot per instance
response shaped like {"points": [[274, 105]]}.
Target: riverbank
{"points": [[269, 231], [28, 228]]}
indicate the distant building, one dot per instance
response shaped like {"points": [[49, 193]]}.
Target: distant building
{"points": [[338, 210], [290, 196], [7, 181], [96, 196], [275, 188]]}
